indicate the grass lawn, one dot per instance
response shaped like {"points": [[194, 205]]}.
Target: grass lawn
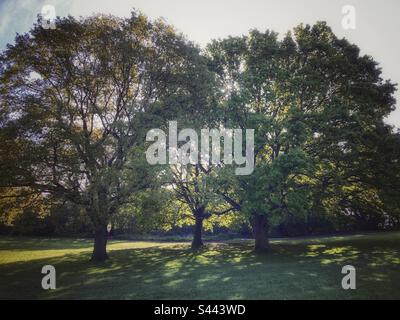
{"points": [[294, 269]]}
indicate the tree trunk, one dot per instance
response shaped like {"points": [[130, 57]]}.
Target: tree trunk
{"points": [[198, 227], [100, 244], [260, 232]]}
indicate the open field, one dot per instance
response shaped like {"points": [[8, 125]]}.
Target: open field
{"points": [[294, 269]]}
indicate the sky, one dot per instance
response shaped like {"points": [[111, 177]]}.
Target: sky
{"points": [[376, 30]]}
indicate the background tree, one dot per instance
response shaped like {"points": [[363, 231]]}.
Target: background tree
{"points": [[195, 188]]}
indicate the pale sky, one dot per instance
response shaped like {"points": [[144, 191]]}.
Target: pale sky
{"points": [[376, 32]]}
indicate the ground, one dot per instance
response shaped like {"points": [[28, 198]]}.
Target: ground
{"points": [[307, 268]]}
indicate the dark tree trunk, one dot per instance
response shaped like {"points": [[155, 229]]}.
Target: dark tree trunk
{"points": [[198, 228], [260, 226], [100, 244]]}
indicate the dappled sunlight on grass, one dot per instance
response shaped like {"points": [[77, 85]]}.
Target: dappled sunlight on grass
{"points": [[330, 255], [292, 269], [314, 247], [341, 250], [384, 256]]}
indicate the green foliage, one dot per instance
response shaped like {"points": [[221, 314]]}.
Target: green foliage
{"points": [[145, 212], [315, 104], [76, 104]]}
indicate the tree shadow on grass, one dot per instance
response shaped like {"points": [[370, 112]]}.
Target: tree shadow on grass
{"points": [[219, 271]]}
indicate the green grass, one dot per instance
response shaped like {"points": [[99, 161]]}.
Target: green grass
{"points": [[294, 269]]}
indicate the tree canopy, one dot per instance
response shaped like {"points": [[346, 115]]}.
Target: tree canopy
{"points": [[318, 107], [77, 102]]}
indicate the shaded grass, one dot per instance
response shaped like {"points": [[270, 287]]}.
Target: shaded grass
{"points": [[293, 269]]}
